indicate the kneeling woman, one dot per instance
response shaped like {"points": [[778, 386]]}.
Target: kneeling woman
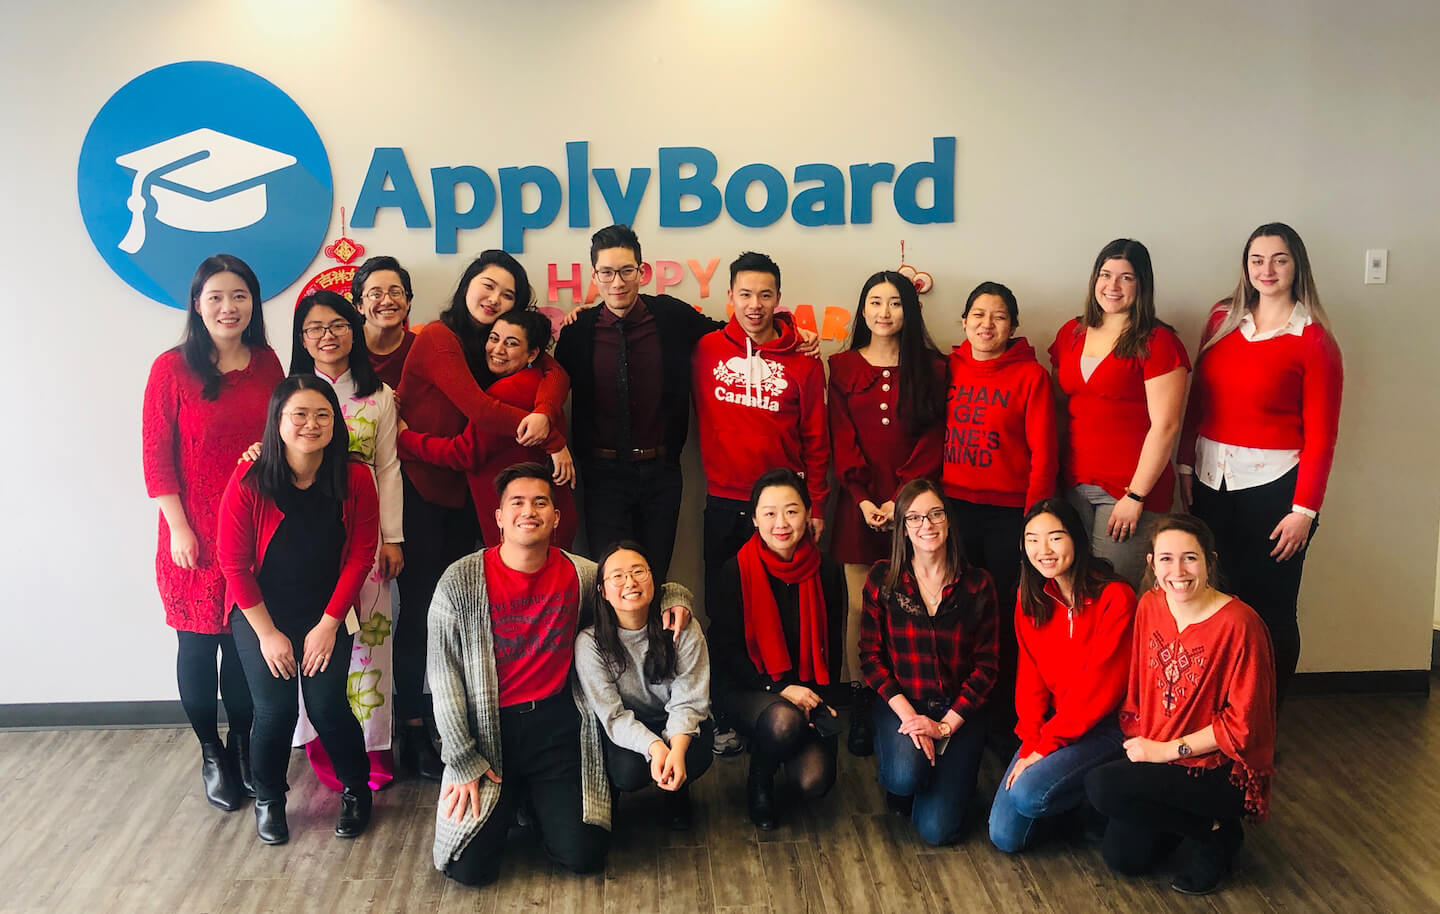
{"points": [[1074, 621], [652, 695], [777, 629], [928, 645], [298, 533], [1199, 714]]}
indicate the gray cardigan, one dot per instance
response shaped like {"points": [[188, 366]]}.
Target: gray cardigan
{"points": [[465, 693]]}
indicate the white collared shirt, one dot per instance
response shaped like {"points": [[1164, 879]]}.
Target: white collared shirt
{"points": [[1248, 467]]}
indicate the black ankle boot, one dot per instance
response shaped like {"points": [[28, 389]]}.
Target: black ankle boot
{"points": [[861, 740], [419, 756], [221, 787], [760, 798], [239, 748], [1210, 859], [270, 822], [354, 812], [898, 805], [678, 809]]}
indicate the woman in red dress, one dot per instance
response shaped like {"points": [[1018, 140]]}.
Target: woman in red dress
{"points": [[887, 421], [204, 404]]}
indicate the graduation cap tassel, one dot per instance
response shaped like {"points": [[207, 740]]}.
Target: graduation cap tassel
{"points": [[135, 237]]}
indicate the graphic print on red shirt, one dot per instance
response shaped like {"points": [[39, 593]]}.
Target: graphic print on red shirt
{"points": [[534, 617]]}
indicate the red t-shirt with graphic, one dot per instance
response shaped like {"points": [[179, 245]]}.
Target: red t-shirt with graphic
{"points": [[534, 617]]}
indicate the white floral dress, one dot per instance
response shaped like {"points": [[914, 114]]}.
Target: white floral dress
{"points": [[372, 426]]}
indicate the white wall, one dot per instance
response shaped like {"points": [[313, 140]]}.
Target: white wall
{"points": [[1076, 124]]}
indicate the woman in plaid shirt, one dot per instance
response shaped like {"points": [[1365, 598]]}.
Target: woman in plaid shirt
{"points": [[928, 646]]}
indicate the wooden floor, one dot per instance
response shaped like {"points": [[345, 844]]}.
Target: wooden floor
{"points": [[110, 821]]}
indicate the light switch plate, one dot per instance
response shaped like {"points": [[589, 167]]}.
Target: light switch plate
{"points": [[1377, 261]]}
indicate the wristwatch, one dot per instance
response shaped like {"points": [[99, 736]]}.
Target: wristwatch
{"points": [[1184, 749], [944, 730], [1134, 496]]}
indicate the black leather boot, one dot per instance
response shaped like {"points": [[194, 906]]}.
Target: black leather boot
{"points": [[270, 822], [760, 798], [354, 812], [418, 754], [222, 788], [239, 747], [1210, 859], [861, 740]]}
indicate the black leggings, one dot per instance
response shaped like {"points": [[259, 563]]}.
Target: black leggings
{"points": [[780, 734], [629, 771], [1149, 803], [195, 674]]}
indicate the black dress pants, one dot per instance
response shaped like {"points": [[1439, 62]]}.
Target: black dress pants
{"points": [[727, 527], [991, 536], [636, 500], [540, 754]]}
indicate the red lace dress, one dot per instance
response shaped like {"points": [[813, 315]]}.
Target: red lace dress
{"points": [[190, 446]]}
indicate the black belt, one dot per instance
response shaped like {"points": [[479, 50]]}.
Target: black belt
{"points": [[525, 707], [648, 453]]}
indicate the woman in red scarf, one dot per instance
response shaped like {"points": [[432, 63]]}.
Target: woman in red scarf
{"points": [[928, 646], [776, 644], [1192, 770]]}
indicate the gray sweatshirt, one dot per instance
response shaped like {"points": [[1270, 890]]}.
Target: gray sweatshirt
{"points": [[622, 702]]}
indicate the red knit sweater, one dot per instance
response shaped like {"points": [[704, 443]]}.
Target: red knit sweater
{"points": [[1281, 393], [1073, 669], [249, 519], [1000, 446]]}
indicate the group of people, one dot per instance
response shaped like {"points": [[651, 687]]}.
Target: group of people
{"points": [[965, 485]]}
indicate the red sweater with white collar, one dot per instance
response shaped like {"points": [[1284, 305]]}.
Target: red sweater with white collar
{"points": [[1281, 393], [760, 407], [1073, 670]]}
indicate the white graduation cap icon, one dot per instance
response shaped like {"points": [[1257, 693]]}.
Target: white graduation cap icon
{"points": [[202, 181]]}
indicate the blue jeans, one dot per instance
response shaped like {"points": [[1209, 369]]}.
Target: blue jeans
{"points": [[1053, 785], [942, 792]]}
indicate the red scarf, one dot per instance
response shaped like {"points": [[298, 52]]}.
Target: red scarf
{"points": [[764, 635]]}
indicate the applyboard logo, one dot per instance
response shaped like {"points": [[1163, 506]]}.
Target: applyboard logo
{"points": [[196, 158]]}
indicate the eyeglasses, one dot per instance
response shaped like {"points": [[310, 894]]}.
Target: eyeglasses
{"points": [[936, 516], [605, 274], [336, 329], [638, 575], [376, 296], [301, 417]]}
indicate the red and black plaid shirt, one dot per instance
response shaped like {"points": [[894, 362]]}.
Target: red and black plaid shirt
{"points": [[952, 655]]}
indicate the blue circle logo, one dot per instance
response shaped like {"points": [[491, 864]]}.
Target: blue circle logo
{"points": [[198, 158]]}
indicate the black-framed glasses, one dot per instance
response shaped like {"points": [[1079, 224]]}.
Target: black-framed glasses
{"points": [[336, 329], [376, 296], [936, 517], [605, 274]]}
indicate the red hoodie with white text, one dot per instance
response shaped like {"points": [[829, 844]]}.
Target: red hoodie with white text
{"points": [[760, 406]]}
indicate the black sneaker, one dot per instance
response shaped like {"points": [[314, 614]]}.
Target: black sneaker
{"points": [[728, 742]]}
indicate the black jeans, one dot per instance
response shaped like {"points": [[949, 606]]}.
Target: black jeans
{"points": [[1146, 803], [1242, 521], [991, 536], [277, 708], [633, 500], [727, 527], [629, 771], [195, 676], [435, 537], [540, 752]]}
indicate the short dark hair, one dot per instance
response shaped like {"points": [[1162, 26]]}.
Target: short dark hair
{"points": [[375, 265], [1089, 573], [362, 372], [271, 473], [537, 327], [614, 236], [1001, 292], [457, 315], [196, 345], [752, 262], [527, 470], [780, 476]]}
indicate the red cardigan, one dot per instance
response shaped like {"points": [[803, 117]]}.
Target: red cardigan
{"points": [[1220, 671], [1073, 669], [1280, 393], [438, 395], [248, 520], [1000, 434], [1108, 416]]}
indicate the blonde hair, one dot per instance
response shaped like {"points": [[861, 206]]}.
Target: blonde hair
{"points": [[1303, 289]]}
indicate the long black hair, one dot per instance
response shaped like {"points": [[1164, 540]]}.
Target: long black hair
{"points": [[660, 657], [301, 362], [922, 403], [271, 473], [196, 345], [1089, 574], [457, 316]]}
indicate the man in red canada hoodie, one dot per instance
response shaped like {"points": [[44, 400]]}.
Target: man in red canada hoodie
{"points": [[760, 404]]}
